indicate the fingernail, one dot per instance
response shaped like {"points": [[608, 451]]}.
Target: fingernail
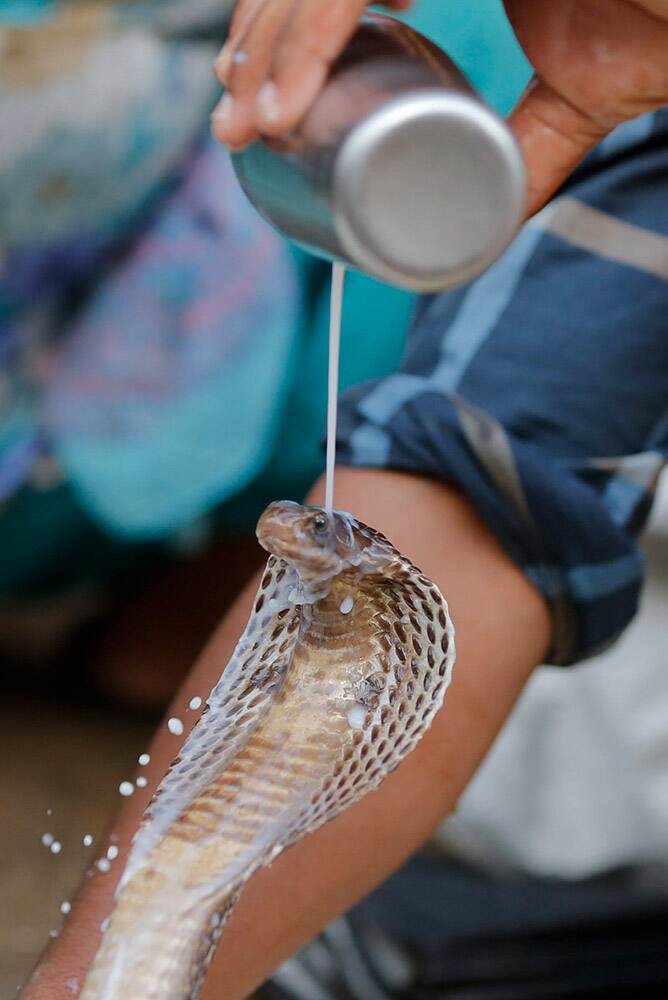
{"points": [[267, 103], [223, 110], [221, 63], [226, 58]]}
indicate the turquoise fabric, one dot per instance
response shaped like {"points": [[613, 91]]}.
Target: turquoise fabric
{"points": [[24, 11], [477, 35]]}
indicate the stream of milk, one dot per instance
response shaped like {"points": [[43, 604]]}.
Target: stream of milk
{"points": [[338, 275]]}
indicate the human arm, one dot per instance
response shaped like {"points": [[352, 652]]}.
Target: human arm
{"points": [[503, 631], [597, 64]]}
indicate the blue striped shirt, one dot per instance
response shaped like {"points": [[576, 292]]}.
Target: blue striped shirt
{"points": [[541, 389]]}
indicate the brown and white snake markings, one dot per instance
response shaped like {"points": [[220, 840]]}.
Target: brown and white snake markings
{"points": [[341, 669]]}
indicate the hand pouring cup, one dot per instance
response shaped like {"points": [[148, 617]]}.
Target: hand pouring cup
{"points": [[398, 169]]}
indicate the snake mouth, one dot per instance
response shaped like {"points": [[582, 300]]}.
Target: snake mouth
{"points": [[276, 530], [305, 559]]}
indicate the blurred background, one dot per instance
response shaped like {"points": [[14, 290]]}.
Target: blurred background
{"points": [[162, 377]]}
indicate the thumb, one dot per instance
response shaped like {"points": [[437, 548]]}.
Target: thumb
{"points": [[554, 136]]}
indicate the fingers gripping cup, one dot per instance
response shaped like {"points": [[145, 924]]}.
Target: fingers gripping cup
{"points": [[398, 169]]}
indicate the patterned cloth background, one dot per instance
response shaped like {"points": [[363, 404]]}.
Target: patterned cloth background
{"points": [[146, 313]]}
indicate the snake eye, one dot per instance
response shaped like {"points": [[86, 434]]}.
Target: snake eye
{"points": [[320, 522]]}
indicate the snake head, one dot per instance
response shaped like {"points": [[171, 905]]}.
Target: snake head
{"points": [[316, 542]]}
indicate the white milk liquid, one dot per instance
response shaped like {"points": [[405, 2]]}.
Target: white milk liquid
{"points": [[336, 301]]}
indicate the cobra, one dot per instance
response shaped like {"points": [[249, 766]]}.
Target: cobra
{"points": [[341, 669]]}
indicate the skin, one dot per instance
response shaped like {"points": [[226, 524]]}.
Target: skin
{"points": [[597, 64], [503, 632]]}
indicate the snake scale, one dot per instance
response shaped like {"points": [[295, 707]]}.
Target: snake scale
{"points": [[341, 669]]}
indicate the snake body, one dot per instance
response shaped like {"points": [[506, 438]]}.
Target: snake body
{"points": [[341, 669]]}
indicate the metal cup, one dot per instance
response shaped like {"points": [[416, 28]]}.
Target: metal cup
{"points": [[398, 169]]}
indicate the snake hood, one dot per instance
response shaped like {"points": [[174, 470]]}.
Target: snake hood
{"points": [[341, 669]]}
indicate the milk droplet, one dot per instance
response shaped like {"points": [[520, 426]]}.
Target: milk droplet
{"points": [[144, 759], [175, 726], [103, 864], [195, 703], [141, 782], [126, 788], [56, 847], [47, 839], [65, 907], [105, 924], [49, 812], [88, 840], [346, 605], [73, 984], [356, 717], [53, 933], [112, 852]]}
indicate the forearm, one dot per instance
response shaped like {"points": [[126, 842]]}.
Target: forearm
{"points": [[502, 633]]}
